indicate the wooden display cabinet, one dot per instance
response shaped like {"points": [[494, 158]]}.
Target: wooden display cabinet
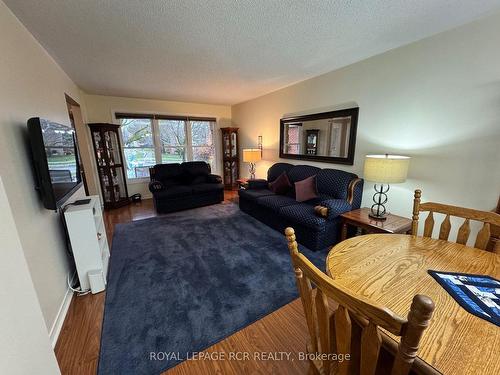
{"points": [[230, 158], [110, 166]]}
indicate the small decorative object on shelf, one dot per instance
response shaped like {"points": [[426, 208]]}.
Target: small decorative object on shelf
{"points": [[110, 167], [230, 157], [252, 155], [384, 169], [312, 136]]}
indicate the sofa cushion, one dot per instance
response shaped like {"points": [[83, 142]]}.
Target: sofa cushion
{"points": [[253, 194], [276, 169], [174, 192], [302, 214], [334, 182], [305, 189], [275, 202], [206, 188], [301, 172], [315, 201], [195, 172], [167, 173], [281, 185], [200, 179]]}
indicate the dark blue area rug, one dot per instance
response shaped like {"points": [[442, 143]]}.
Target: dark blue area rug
{"points": [[182, 282]]}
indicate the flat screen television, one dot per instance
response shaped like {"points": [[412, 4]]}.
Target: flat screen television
{"points": [[55, 157]]}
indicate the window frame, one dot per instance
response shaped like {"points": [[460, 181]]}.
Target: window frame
{"points": [[156, 137]]}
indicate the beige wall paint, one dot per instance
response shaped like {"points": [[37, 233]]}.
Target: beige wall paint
{"points": [[102, 108], [437, 100], [25, 346], [32, 84]]}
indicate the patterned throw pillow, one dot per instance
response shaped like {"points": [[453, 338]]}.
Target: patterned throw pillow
{"points": [[306, 189], [281, 185]]}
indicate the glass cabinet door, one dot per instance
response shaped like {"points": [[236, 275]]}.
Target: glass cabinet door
{"points": [[234, 144], [226, 145], [106, 142]]}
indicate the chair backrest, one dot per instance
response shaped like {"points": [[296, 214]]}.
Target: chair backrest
{"points": [[494, 244], [487, 218], [335, 333]]}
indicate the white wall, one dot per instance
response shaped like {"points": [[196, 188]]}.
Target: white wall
{"points": [[25, 346], [32, 84], [437, 100], [102, 108]]}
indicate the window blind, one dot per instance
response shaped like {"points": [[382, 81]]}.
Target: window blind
{"points": [[122, 115]]}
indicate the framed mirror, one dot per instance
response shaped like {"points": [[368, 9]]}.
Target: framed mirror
{"points": [[327, 137]]}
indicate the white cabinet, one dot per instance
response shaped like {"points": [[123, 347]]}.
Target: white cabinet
{"points": [[87, 234]]}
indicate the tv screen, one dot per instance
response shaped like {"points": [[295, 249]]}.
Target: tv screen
{"points": [[55, 156]]}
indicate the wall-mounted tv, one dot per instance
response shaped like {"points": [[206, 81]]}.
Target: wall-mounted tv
{"points": [[55, 157]]}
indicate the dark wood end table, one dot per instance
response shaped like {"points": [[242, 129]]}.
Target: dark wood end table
{"points": [[359, 218], [242, 183]]}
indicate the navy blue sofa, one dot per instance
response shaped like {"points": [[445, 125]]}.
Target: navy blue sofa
{"points": [[181, 186], [338, 190]]}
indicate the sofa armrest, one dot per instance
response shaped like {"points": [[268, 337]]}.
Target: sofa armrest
{"points": [[214, 179], [156, 186], [334, 208], [257, 184], [355, 192]]}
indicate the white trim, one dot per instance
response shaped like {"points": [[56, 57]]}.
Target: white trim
{"points": [[61, 315]]}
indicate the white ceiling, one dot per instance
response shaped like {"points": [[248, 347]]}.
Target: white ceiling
{"points": [[225, 51]]}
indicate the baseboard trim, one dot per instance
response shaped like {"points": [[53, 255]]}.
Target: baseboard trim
{"points": [[61, 315]]}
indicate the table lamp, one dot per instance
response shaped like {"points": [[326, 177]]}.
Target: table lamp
{"points": [[252, 155], [384, 170]]}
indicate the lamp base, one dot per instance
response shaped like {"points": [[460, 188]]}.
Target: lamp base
{"points": [[377, 210], [252, 171], [379, 217]]}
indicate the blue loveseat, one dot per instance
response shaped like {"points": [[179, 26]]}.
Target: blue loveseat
{"points": [[338, 190]]}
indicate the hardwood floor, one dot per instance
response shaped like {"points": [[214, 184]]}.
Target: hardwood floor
{"points": [[284, 331]]}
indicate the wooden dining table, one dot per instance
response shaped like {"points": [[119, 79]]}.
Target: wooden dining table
{"points": [[391, 268]]}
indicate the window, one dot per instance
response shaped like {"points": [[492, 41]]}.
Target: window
{"points": [[173, 141], [152, 139], [202, 141], [138, 145], [292, 145]]}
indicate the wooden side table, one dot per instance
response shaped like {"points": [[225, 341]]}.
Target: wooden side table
{"points": [[359, 218], [242, 183]]}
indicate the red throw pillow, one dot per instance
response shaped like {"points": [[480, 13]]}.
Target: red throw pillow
{"points": [[281, 185], [306, 189]]}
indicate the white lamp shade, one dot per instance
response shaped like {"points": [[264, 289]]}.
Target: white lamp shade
{"points": [[251, 155], [387, 169]]}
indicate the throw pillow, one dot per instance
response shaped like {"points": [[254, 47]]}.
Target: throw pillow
{"points": [[281, 185], [200, 179], [306, 189]]}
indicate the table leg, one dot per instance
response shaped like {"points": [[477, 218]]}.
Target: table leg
{"points": [[343, 235]]}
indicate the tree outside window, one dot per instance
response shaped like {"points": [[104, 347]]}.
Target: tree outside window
{"points": [[176, 141]]}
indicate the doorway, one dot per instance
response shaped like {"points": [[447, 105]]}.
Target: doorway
{"points": [[75, 115]]}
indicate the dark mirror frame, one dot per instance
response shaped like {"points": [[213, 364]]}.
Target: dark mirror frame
{"points": [[349, 160]]}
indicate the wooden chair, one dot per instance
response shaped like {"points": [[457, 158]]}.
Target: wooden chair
{"points": [[494, 244], [353, 328], [487, 218]]}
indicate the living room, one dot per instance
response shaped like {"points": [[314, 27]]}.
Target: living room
{"points": [[202, 277]]}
